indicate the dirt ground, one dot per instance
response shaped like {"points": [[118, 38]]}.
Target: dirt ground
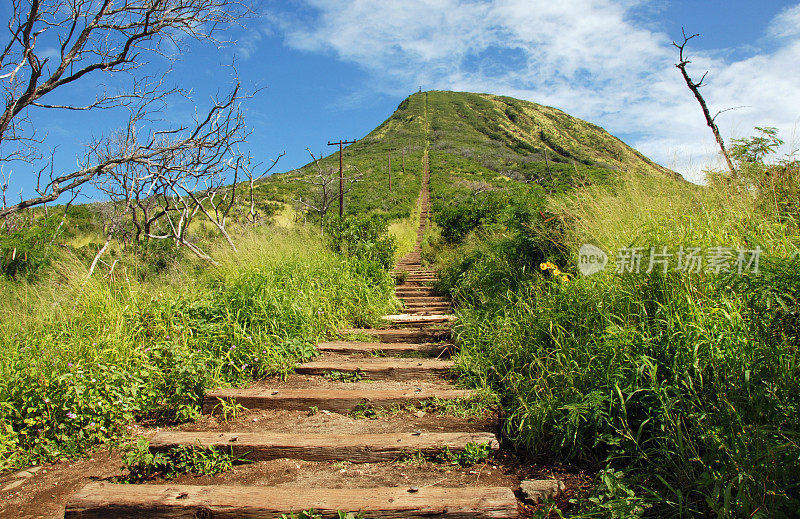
{"points": [[46, 492]]}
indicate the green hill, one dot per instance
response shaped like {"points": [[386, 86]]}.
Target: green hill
{"points": [[476, 137]]}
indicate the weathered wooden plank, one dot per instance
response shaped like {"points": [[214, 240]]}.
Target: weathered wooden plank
{"points": [[356, 448], [103, 500], [415, 318], [403, 335], [442, 307], [425, 299], [340, 400], [379, 368], [398, 348]]}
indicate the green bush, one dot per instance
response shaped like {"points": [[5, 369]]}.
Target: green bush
{"points": [[682, 390], [27, 250], [364, 238]]}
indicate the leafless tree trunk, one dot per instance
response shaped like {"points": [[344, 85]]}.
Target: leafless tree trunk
{"points": [[186, 173], [326, 182], [254, 173], [92, 39], [695, 88]]}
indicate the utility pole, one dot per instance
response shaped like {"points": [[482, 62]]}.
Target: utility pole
{"points": [[341, 174]]}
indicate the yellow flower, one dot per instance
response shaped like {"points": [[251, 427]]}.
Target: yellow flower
{"points": [[565, 279], [543, 266]]}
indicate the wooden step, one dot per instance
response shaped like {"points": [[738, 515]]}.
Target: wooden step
{"points": [[427, 311], [427, 305], [419, 319], [339, 400], [100, 499], [403, 335], [425, 299], [379, 368], [415, 291], [355, 448], [400, 348]]}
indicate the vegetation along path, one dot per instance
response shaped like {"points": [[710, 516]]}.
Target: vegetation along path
{"points": [[373, 428]]}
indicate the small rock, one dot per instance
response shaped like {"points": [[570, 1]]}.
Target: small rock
{"points": [[419, 414], [538, 490], [26, 473], [13, 485], [413, 490]]}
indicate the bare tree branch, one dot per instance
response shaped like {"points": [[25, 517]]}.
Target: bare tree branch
{"points": [[254, 173], [54, 43], [695, 88], [326, 183]]}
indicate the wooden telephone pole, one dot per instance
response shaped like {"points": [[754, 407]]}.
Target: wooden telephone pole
{"points": [[341, 174]]}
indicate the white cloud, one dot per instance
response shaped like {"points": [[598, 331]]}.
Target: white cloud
{"points": [[587, 57], [786, 24]]}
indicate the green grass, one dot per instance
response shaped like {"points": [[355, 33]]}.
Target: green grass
{"points": [[78, 361], [682, 390]]}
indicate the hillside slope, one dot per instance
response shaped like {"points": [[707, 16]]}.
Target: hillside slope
{"points": [[471, 134], [482, 134]]}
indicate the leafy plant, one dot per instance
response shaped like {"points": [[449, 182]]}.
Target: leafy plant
{"points": [[228, 409], [344, 376], [143, 464], [30, 248]]}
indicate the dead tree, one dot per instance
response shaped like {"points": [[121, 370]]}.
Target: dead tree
{"points": [[173, 176], [327, 189], [695, 88], [93, 39], [254, 173]]}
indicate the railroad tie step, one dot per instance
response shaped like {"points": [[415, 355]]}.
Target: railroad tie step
{"points": [[379, 368], [419, 319], [355, 448], [403, 335], [400, 348], [427, 305], [101, 499], [337, 400], [416, 291], [425, 299]]}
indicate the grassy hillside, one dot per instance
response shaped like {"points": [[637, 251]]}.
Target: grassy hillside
{"points": [[478, 137], [680, 389]]}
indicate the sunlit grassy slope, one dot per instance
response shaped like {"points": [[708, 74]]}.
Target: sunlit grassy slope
{"points": [[492, 137]]}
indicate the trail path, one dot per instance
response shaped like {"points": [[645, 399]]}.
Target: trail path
{"points": [[306, 447]]}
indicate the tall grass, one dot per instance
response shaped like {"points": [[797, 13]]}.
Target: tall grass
{"points": [[682, 390], [80, 360]]}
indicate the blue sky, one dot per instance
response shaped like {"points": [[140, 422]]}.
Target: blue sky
{"points": [[336, 69]]}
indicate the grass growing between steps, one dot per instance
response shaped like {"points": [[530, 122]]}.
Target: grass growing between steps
{"points": [[682, 390], [79, 361], [144, 465]]}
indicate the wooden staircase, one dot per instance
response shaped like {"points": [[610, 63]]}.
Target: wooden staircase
{"points": [[407, 365]]}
